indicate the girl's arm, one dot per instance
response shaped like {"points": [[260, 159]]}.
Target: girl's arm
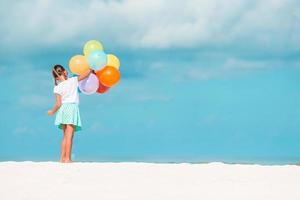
{"points": [[84, 75], [56, 106]]}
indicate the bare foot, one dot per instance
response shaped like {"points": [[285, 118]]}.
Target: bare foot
{"points": [[61, 160], [68, 161]]}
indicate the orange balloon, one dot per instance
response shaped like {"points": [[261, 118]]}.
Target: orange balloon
{"points": [[108, 76], [78, 64], [98, 72], [102, 89]]}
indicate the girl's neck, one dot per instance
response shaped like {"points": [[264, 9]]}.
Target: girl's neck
{"points": [[62, 79]]}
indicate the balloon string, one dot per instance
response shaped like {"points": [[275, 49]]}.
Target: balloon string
{"points": [[56, 75], [55, 72]]}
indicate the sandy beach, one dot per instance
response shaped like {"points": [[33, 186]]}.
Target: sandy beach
{"points": [[147, 181]]}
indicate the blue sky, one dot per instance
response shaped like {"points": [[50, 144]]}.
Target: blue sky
{"points": [[201, 80]]}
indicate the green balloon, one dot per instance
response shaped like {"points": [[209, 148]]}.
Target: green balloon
{"points": [[91, 46]]}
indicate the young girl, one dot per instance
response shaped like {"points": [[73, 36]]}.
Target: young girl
{"points": [[66, 106]]}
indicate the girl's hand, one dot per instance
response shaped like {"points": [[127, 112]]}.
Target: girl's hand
{"points": [[85, 75], [50, 112], [56, 106]]}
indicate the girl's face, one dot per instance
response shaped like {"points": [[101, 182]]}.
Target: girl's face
{"points": [[66, 74]]}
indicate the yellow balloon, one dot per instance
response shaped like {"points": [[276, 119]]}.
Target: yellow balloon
{"points": [[91, 46], [78, 64], [113, 61]]}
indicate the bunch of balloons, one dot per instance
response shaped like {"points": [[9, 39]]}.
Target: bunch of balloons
{"points": [[105, 65]]}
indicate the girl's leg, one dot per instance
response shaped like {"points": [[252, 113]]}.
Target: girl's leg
{"points": [[69, 133], [63, 145]]}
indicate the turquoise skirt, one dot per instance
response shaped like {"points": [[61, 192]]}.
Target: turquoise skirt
{"points": [[68, 113]]}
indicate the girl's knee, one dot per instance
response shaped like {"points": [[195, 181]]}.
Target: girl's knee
{"points": [[69, 130], [70, 126]]}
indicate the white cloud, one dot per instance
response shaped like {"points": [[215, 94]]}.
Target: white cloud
{"points": [[22, 130], [152, 97], [209, 120], [203, 73], [239, 64], [36, 100], [230, 67], [97, 127], [154, 24]]}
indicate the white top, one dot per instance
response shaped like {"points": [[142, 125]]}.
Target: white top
{"points": [[68, 90]]}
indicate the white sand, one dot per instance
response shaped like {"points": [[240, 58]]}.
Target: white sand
{"points": [[145, 181]]}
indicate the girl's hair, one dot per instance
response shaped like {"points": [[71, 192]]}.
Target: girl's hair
{"points": [[57, 70]]}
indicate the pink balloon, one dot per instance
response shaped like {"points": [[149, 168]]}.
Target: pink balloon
{"points": [[89, 85]]}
